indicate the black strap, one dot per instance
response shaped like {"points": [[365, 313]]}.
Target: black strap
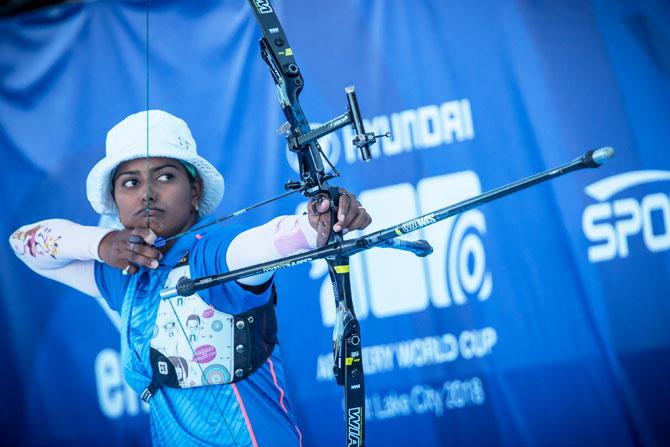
{"points": [[164, 373]]}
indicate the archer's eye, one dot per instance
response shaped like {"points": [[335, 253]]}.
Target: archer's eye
{"points": [[165, 177], [129, 183]]}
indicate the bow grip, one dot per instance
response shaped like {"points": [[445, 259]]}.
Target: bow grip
{"points": [[334, 193]]}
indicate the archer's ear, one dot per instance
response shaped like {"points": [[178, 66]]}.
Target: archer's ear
{"points": [[197, 189]]}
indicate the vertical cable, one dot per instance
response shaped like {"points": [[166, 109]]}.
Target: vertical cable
{"points": [[148, 178]]}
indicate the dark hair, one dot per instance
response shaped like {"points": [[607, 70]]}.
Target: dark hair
{"points": [[193, 317]]}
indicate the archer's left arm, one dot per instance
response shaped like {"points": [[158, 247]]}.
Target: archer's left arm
{"points": [[290, 235]]}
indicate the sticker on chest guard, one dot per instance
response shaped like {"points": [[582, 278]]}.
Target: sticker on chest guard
{"points": [[196, 338]]}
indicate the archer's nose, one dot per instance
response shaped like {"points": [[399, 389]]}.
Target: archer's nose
{"points": [[148, 196]]}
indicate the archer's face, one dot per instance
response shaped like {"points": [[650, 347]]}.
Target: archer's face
{"points": [[170, 196]]}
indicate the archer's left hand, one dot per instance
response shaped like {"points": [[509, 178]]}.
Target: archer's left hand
{"points": [[350, 215]]}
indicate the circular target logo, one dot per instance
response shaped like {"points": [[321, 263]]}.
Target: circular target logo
{"points": [[466, 259], [215, 375]]}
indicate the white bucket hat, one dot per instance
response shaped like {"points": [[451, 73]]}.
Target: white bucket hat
{"points": [[169, 137]]}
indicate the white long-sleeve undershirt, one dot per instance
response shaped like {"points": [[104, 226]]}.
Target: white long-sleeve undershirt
{"points": [[65, 251], [282, 236]]}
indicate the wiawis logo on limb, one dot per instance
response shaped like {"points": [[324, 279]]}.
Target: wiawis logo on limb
{"points": [[610, 224], [354, 421], [263, 6]]}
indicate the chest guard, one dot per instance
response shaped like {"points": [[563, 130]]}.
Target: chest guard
{"points": [[194, 344]]}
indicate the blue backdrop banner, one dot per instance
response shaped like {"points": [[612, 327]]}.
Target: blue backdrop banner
{"points": [[540, 319]]}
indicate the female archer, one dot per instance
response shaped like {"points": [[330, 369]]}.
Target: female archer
{"points": [[235, 392]]}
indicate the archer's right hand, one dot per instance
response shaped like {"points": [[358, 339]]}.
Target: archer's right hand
{"points": [[117, 250]]}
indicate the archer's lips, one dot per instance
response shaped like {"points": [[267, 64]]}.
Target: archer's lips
{"points": [[151, 212]]}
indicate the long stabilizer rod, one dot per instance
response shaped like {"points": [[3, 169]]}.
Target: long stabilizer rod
{"points": [[187, 287]]}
